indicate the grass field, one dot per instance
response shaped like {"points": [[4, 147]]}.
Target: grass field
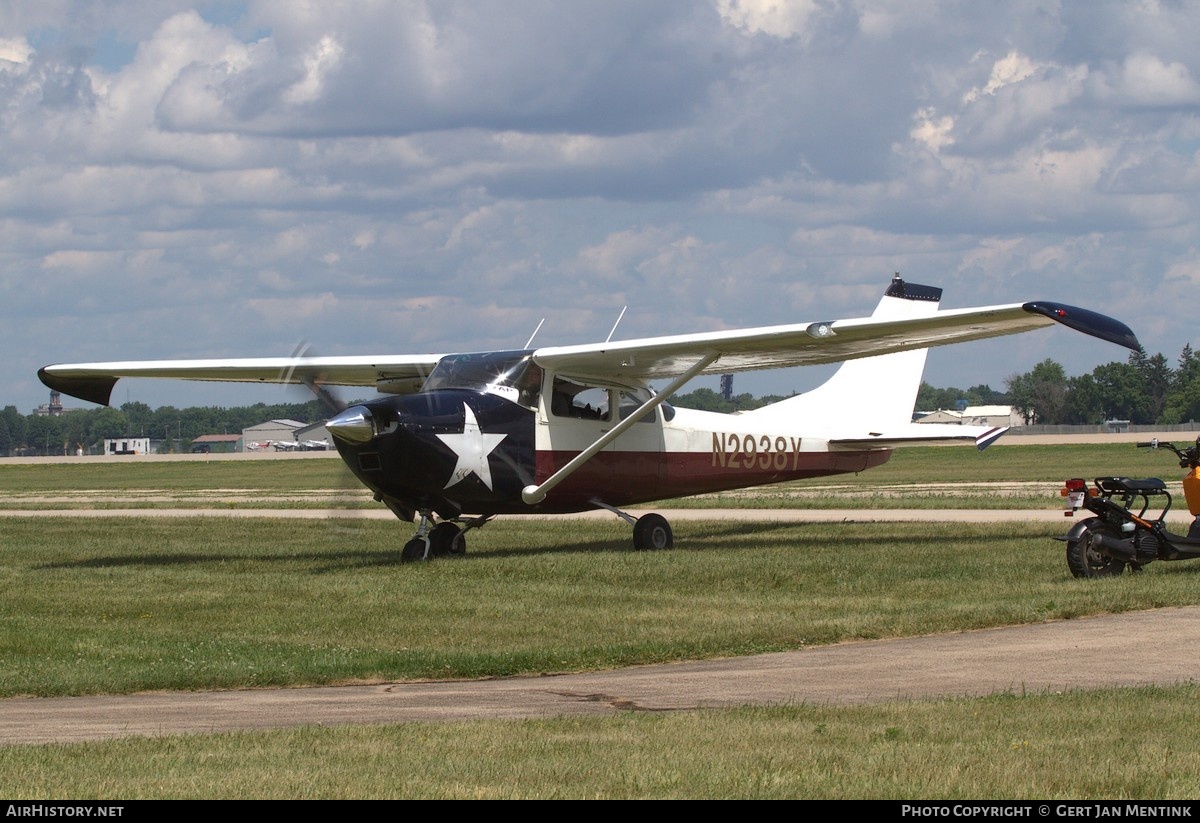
{"points": [[116, 605]]}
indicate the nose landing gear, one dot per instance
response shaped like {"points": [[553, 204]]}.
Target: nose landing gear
{"points": [[445, 539]]}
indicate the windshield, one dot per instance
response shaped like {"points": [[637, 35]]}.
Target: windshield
{"points": [[510, 374]]}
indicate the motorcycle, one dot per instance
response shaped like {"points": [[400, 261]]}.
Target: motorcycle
{"points": [[1121, 535]]}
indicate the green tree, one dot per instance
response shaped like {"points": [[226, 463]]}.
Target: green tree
{"points": [[16, 426], [1039, 395], [77, 430], [1084, 402], [1157, 378], [702, 399], [44, 434], [985, 395], [1120, 386], [108, 424], [932, 399], [139, 419], [1183, 396]]}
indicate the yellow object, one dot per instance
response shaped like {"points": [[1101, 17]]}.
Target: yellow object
{"points": [[1191, 490]]}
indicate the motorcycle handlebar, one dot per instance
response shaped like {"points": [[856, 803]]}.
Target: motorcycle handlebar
{"points": [[1188, 458]]}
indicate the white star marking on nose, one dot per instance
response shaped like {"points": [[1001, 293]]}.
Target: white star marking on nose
{"points": [[472, 447]]}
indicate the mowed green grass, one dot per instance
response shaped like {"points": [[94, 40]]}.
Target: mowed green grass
{"points": [[117, 605], [1113, 744], [127, 604]]}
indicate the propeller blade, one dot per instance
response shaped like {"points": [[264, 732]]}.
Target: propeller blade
{"points": [[312, 380]]}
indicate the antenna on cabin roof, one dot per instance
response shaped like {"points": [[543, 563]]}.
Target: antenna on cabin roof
{"points": [[614, 328], [529, 342]]}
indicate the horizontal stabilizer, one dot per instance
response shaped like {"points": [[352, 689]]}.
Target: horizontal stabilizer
{"points": [[923, 434]]}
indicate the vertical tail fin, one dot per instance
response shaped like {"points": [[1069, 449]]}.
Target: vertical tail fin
{"points": [[871, 395]]}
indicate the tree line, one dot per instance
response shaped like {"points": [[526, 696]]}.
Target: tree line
{"points": [[87, 429], [1144, 390]]}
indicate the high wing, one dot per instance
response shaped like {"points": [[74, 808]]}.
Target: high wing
{"points": [[398, 374], [807, 344], [634, 361]]}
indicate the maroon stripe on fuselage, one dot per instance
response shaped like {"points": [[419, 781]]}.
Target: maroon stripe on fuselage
{"points": [[628, 478]]}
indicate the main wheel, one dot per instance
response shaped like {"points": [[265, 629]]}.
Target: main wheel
{"points": [[1084, 561], [446, 539], [413, 550], [652, 531]]}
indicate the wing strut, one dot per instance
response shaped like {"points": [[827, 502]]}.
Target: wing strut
{"points": [[534, 494]]}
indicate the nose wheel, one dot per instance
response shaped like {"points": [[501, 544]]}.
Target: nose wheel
{"points": [[445, 539]]}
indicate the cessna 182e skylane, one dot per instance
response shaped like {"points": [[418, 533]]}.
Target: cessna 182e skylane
{"points": [[571, 428]]}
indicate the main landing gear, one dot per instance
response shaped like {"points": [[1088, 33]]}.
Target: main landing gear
{"points": [[445, 539], [650, 531]]}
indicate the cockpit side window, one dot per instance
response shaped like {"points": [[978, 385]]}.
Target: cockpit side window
{"points": [[631, 401], [528, 383], [571, 399]]}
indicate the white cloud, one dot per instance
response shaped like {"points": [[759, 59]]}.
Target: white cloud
{"points": [[779, 18], [1147, 80], [14, 51], [1011, 69], [423, 175]]}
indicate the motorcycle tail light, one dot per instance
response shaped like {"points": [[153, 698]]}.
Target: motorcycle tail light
{"points": [[1075, 484], [1073, 490]]}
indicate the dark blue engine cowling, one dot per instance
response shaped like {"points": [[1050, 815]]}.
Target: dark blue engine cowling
{"points": [[450, 451]]}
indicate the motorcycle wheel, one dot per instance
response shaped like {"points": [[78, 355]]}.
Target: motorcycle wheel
{"points": [[1083, 561]]}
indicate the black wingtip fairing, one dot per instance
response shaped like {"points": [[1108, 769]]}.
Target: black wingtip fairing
{"points": [[1086, 321], [92, 389]]}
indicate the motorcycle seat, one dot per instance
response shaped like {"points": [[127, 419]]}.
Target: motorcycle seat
{"points": [[1129, 484]]}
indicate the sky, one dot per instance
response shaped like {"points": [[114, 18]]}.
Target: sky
{"points": [[191, 179]]}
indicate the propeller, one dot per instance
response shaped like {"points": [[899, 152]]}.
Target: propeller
{"points": [[299, 371], [296, 372]]}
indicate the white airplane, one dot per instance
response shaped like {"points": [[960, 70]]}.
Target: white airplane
{"points": [[456, 439]]}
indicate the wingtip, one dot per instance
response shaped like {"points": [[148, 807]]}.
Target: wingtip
{"points": [[92, 389], [1087, 321]]}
